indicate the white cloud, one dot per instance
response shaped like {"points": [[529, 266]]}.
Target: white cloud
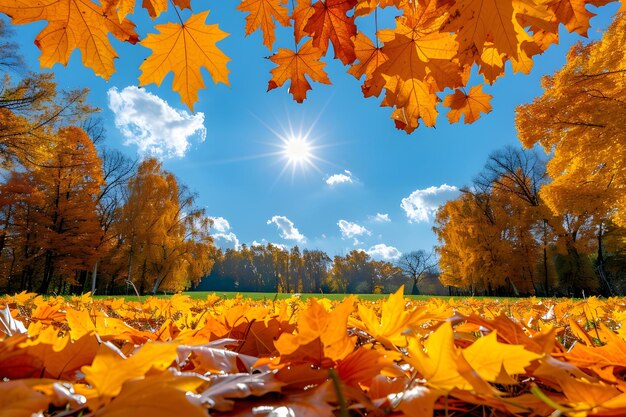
{"points": [[335, 179], [224, 234], [229, 237], [220, 224], [351, 230], [287, 230], [421, 205], [264, 242], [150, 123], [384, 252], [381, 218]]}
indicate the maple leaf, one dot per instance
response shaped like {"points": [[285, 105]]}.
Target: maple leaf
{"points": [[301, 15], [480, 21], [63, 360], [80, 323], [470, 105], [295, 66], [262, 14], [365, 7], [416, 401], [8, 325], [438, 364], [72, 24], [122, 7], [320, 334], [415, 45], [491, 63], [395, 318], [488, 357], [330, 22], [154, 7], [159, 396], [364, 364], [224, 388], [184, 49], [214, 360], [369, 57], [17, 399], [110, 368], [413, 100], [574, 14]]}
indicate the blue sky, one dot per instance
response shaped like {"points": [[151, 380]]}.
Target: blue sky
{"points": [[373, 187]]}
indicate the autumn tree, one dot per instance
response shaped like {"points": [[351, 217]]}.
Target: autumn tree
{"points": [[116, 172], [486, 242], [166, 239], [416, 265], [521, 173], [316, 265], [31, 108], [69, 228], [49, 222], [357, 273], [580, 119], [18, 249]]}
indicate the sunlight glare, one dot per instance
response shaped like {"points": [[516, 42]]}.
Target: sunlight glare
{"points": [[297, 150]]}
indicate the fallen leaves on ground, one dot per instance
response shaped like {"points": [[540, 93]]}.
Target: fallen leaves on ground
{"points": [[237, 357]]}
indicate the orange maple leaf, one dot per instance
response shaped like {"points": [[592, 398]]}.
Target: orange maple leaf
{"points": [[18, 399], [365, 7], [330, 22], [320, 334], [154, 7], [157, 396], [301, 15], [370, 58], [574, 14], [481, 21], [295, 66], [184, 49], [262, 14], [413, 101], [470, 104], [72, 24]]}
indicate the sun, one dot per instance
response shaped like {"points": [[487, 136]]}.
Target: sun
{"points": [[297, 150]]}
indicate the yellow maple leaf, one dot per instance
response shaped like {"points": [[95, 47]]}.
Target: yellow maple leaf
{"points": [[395, 318], [72, 24], [437, 360], [184, 49], [488, 357], [80, 323], [110, 369]]}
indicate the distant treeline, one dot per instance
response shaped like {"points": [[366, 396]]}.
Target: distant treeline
{"points": [[273, 269]]}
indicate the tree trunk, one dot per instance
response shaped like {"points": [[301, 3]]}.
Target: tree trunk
{"points": [[47, 273], [94, 276], [604, 283], [546, 281], [415, 290]]}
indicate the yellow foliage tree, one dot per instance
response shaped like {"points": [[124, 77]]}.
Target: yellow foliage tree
{"points": [[166, 240]]}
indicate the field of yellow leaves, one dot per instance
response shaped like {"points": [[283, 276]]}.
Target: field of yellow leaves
{"points": [[238, 357]]}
